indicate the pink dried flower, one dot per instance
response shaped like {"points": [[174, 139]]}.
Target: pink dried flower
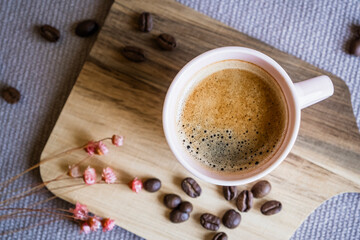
{"points": [[108, 175], [74, 171], [117, 140], [80, 212], [85, 228], [90, 176], [101, 148], [90, 148], [136, 185], [94, 223], [108, 224]]}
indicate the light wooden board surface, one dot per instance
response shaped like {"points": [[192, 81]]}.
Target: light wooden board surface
{"points": [[114, 95]]}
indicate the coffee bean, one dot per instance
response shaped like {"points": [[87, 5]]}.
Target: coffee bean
{"points": [[177, 216], [152, 185], [134, 54], [220, 236], [244, 201], [166, 41], [145, 22], [49, 33], [355, 29], [87, 28], [185, 207], [191, 187], [271, 207], [231, 219], [230, 192], [355, 47], [172, 200], [210, 221], [10, 95], [261, 189]]}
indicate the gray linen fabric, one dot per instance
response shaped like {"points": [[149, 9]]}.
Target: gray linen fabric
{"points": [[315, 31]]}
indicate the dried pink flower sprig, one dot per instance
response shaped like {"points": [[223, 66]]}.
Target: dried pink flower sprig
{"points": [[108, 175], [85, 227], [91, 148], [117, 140], [80, 211], [136, 185], [89, 175], [90, 223], [107, 224], [94, 223], [100, 148], [74, 171]]}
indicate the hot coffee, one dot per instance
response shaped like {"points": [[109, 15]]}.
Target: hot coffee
{"points": [[233, 117]]}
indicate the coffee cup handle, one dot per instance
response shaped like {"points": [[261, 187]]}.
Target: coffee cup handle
{"points": [[314, 90]]}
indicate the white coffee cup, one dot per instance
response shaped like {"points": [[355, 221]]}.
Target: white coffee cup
{"points": [[298, 96]]}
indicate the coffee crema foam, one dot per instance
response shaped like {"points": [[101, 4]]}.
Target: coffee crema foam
{"points": [[233, 117]]}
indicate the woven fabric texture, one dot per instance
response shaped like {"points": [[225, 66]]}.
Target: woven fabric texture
{"points": [[315, 31]]}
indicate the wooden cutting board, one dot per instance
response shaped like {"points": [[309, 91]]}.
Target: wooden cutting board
{"points": [[114, 95]]}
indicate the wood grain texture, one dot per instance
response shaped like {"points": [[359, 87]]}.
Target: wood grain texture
{"points": [[114, 95]]}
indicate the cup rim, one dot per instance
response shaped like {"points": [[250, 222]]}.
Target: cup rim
{"points": [[274, 164]]}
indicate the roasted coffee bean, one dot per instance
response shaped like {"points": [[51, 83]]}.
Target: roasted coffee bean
{"points": [[49, 33], [87, 28], [355, 30], [210, 221], [185, 207], [191, 187], [10, 95], [145, 22], [231, 219], [166, 41], [244, 201], [355, 47], [152, 185], [230, 192], [261, 189], [177, 216], [271, 207], [134, 54], [220, 236], [172, 200]]}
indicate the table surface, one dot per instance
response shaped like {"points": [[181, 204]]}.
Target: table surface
{"points": [[45, 73]]}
